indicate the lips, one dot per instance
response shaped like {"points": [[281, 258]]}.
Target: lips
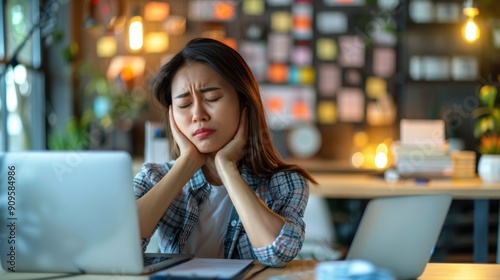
{"points": [[203, 133]]}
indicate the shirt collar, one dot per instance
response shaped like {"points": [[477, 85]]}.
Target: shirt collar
{"points": [[199, 180]]}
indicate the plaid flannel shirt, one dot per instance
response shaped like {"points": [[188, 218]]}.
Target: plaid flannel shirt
{"points": [[285, 193]]}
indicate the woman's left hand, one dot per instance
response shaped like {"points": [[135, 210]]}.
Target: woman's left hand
{"points": [[234, 150]]}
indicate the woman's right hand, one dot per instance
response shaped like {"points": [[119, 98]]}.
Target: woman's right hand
{"points": [[188, 150]]}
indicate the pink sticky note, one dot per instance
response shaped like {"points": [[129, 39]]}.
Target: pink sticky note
{"points": [[351, 105], [384, 62], [329, 79], [302, 55], [352, 51]]}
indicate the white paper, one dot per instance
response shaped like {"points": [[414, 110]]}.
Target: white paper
{"points": [[422, 133], [202, 267]]}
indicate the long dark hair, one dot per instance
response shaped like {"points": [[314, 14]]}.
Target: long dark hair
{"points": [[261, 157]]}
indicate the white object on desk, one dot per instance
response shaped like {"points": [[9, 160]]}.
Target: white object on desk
{"points": [[422, 133], [156, 144]]}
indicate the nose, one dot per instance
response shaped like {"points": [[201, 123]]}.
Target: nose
{"points": [[199, 113]]}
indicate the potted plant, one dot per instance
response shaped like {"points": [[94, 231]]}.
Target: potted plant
{"points": [[487, 130]]}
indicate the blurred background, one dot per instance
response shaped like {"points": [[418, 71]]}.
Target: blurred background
{"points": [[337, 77]]}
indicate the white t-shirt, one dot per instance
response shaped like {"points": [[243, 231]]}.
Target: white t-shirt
{"points": [[207, 238]]}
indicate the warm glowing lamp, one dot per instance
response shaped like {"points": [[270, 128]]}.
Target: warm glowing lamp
{"points": [[156, 11], [470, 30], [106, 46], [358, 159], [156, 42], [135, 33]]}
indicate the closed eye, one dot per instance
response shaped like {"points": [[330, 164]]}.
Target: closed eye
{"points": [[213, 99], [184, 106]]}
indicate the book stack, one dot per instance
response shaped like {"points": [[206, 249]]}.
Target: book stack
{"points": [[463, 164], [418, 161], [422, 151]]}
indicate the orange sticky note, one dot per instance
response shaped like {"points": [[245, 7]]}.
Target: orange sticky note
{"points": [[278, 73]]}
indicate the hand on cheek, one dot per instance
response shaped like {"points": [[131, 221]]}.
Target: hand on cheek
{"points": [[234, 150], [187, 148]]}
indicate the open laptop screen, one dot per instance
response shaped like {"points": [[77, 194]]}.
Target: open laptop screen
{"points": [[68, 212]]}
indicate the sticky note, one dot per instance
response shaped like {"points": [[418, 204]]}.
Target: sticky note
{"points": [[281, 21], [327, 112], [331, 22], [253, 7], [326, 49], [329, 79], [352, 51], [302, 21], [255, 54], [279, 47], [375, 87], [307, 75], [351, 105], [302, 55], [384, 62], [294, 75], [277, 73], [301, 110]]}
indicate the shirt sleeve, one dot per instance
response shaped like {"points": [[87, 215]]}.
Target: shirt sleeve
{"points": [[289, 193], [147, 178]]}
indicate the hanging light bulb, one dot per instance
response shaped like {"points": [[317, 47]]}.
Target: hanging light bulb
{"points": [[470, 30], [135, 32]]}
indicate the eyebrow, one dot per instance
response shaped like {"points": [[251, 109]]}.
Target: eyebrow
{"points": [[203, 90]]}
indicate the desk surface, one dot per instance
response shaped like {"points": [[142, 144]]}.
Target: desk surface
{"points": [[433, 271], [368, 186]]}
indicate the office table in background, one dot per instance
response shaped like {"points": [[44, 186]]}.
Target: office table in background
{"points": [[363, 186]]}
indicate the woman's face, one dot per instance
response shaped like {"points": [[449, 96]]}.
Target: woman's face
{"points": [[205, 106]]}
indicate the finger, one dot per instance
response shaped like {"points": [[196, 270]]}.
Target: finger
{"points": [[243, 128], [173, 125]]}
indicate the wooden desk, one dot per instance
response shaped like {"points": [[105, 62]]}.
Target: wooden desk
{"points": [[433, 271], [367, 186]]}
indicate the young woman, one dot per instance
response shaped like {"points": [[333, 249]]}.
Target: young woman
{"points": [[227, 194]]}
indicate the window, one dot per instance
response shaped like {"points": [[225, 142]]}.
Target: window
{"points": [[22, 83]]}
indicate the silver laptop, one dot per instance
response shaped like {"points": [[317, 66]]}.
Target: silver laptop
{"points": [[72, 212], [399, 233]]}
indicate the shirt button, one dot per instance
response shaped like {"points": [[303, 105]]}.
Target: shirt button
{"points": [[233, 223]]}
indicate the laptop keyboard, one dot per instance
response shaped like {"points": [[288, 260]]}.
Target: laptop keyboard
{"points": [[149, 260]]}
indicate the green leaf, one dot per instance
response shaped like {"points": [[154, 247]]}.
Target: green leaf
{"points": [[478, 131], [487, 95]]}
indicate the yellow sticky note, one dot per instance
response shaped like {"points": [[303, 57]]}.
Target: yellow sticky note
{"points": [[326, 49], [254, 7], [327, 112], [281, 21], [376, 87], [307, 75]]}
